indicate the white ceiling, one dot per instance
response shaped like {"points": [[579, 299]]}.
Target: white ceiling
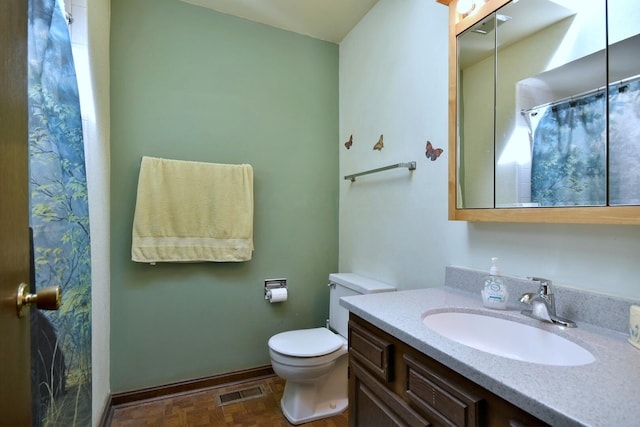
{"points": [[523, 19], [328, 20]]}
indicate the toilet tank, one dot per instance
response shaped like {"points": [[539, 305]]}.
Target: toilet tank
{"points": [[347, 284]]}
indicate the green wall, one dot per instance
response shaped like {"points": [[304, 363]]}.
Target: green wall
{"points": [[192, 84]]}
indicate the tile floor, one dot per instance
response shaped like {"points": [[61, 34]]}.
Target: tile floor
{"points": [[202, 408]]}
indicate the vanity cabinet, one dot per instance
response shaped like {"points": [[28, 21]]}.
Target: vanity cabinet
{"points": [[393, 384]]}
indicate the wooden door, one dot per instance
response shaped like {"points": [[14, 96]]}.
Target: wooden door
{"points": [[15, 390]]}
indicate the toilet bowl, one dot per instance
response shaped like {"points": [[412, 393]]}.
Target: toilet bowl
{"points": [[314, 362], [316, 382]]}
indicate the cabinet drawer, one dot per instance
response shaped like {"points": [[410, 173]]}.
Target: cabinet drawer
{"points": [[372, 351], [440, 397]]}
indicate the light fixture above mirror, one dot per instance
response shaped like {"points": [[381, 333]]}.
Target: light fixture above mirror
{"points": [[465, 8]]}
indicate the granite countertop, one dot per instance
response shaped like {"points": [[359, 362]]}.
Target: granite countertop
{"points": [[603, 393]]}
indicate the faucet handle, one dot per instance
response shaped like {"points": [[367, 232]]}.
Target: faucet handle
{"points": [[545, 285]]}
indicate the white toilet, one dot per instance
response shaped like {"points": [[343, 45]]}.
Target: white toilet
{"points": [[314, 361]]}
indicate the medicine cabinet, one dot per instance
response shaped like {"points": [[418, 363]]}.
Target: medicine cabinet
{"points": [[544, 111]]}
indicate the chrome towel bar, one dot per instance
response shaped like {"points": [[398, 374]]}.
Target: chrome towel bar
{"points": [[410, 165]]}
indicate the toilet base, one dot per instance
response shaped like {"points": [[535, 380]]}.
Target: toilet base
{"points": [[323, 410], [303, 402]]}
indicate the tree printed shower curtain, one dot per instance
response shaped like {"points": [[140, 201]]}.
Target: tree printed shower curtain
{"points": [[571, 163], [61, 340], [568, 166], [624, 143]]}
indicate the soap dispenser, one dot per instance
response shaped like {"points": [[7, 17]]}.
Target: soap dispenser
{"points": [[494, 294]]}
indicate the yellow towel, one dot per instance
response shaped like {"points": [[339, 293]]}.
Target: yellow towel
{"points": [[193, 212]]}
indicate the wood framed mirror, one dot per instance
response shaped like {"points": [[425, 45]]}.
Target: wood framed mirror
{"points": [[544, 111]]}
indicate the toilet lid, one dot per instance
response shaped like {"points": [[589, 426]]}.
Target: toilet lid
{"points": [[306, 342]]}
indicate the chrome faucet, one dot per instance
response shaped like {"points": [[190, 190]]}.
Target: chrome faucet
{"points": [[543, 304]]}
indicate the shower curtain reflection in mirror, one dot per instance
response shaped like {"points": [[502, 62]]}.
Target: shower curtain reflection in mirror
{"points": [[624, 144], [569, 153]]}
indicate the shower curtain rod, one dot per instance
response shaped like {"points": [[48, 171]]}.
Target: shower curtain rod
{"points": [[582, 95]]}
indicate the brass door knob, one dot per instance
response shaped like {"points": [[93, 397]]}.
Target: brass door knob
{"points": [[48, 298]]}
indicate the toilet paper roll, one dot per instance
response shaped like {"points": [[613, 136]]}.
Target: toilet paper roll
{"points": [[634, 325], [277, 295]]}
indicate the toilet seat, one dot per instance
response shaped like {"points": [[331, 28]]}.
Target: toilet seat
{"points": [[306, 342]]}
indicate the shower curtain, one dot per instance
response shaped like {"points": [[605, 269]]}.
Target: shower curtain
{"points": [[568, 166], [624, 143], [569, 155], [61, 340]]}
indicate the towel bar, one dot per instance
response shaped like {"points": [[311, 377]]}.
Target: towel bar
{"points": [[410, 165]]}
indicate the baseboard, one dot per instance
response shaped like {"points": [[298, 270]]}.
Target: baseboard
{"points": [[107, 412], [129, 397]]}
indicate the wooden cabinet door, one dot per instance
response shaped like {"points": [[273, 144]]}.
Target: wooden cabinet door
{"points": [[371, 404]]}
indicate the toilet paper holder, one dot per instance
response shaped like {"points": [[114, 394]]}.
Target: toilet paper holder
{"points": [[270, 284]]}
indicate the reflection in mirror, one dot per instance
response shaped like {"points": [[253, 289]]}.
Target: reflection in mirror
{"points": [[476, 154], [551, 132], [624, 102], [548, 61]]}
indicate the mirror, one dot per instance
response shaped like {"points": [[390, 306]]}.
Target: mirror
{"points": [[547, 110]]}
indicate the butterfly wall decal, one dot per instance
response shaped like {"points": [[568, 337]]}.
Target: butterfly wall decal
{"points": [[379, 145], [349, 143], [432, 153]]}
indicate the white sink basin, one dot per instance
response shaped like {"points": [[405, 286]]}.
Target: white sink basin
{"points": [[507, 338]]}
